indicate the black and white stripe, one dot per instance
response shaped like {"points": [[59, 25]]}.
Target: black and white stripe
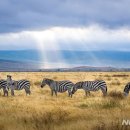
{"points": [[3, 85], [91, 86], [21, 84], [127, 89], [58, 86]]}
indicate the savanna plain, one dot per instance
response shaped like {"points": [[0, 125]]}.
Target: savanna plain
{"points": [[41, 111]]}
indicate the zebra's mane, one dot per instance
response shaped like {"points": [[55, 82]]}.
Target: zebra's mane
{"points": [[79, 84], [48, 81]]}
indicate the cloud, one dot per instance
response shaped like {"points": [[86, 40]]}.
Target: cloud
{"points": [[17, 41], [30, 14], [62, 38]]}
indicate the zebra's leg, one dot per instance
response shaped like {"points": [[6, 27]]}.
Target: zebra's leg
{"points": [[5, 93], [51, 92], [104, 90], [86, 93], [55, 92], [69, 94], [12, 92], [27, 91], [89, 93]]}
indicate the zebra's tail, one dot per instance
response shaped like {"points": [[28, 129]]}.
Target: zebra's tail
{"points": [[105, 91]]}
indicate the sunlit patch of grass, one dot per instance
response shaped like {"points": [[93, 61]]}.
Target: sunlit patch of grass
{"points": [[41, 111], [109, 78], [37, 83], [115, 82]]}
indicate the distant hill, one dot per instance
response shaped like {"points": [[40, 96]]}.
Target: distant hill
{"points": [[88, 69], [7, 65]]}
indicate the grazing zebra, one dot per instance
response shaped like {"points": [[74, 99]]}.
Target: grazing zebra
{"points": [[58, 86], [18, 85], [127, 89], [91, 86], [22, 84], [3, 85]]}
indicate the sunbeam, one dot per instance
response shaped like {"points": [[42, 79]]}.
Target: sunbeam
{"points": [[61, 47]]}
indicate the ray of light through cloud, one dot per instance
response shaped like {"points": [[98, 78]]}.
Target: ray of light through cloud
{"points": [[52, 41]]}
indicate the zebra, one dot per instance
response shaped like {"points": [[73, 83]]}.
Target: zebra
{"points": [[22, 84], [127, 89], [3, 85], [18, 85], [88, 86], [58, 86]]}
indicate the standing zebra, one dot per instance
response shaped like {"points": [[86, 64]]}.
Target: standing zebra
{"points": [[3, 85], [127, 89], [58, 86], [18, 85], [88, 86], [22, 84]]}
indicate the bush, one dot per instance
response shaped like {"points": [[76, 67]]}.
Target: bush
{"points": [[116, 94], [112, 126], [83, 105]]}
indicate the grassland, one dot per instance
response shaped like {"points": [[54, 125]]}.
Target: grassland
{"points": [[40, 111]]}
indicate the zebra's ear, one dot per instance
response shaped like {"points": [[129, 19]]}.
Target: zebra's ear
{"points": [[45, 79]]}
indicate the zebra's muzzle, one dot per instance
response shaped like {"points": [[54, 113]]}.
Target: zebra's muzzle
{"points": [[125, 94]]}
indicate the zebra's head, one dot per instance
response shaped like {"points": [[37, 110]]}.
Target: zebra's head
{"points": [[14, 84], [74, 89], [9, 77], [127, 89], [45, 81], [9, 81]]}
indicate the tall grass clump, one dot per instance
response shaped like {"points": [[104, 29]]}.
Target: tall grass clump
{"points": [[111, 103]]}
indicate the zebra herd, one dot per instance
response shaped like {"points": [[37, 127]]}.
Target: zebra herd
{"points": [[57, 86], [14, 85]]}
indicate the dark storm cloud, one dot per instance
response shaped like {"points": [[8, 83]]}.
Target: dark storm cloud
{"points": [[36, 14]]}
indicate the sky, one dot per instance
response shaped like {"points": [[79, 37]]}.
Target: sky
{"points": [[65, 25]]}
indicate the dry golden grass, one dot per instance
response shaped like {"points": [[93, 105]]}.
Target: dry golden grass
{"points": [[40, 111]]}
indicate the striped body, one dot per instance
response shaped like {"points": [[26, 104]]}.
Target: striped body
{"points": [[58, 86], [3, 85], [127, 89], [21, 84], [91, 86]]}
